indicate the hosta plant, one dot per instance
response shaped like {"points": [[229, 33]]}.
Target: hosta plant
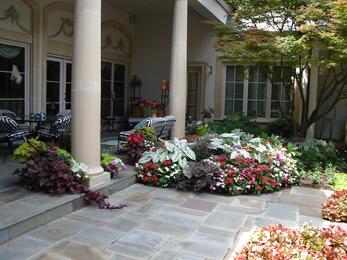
{"points": [[306, 242], [335, 207], [53, 170], [177, 151]]}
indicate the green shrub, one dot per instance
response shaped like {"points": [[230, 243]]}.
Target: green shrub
{"points": [[282, 127]]}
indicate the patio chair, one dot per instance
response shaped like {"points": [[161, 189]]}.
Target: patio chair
{"points": [[6, 112], [57, 129], [11, 132], [123, 135], [63, 113], [169, 123]]}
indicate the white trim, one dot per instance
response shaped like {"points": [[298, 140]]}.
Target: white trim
{"points": [[27, 74]]}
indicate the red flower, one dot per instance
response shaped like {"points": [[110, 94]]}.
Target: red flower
{"points": [[258, 187], [229, 181], [167, 162], [146, 178], [154, 178]]}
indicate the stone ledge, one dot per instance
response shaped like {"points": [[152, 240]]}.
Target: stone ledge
{"points": [[59, 207]]}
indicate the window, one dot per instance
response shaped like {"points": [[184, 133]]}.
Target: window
{"points": [[58, 85], [113, 79], [234, 90], [14, 77], [249, 91]]}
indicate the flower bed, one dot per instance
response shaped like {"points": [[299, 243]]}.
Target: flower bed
{"points": [[53, 170], [335, 207], [306, 242], [235, 163]]}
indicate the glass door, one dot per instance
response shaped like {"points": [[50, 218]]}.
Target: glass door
{"points": [[113, 82], [14, 77], [193, 86], [58, 85]]}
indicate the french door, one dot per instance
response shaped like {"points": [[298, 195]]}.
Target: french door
{"points": [[193, 93], [113, 82], [14, 83], [58, 85]]}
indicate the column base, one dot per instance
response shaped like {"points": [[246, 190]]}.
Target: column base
{"points": [[97, 180]]}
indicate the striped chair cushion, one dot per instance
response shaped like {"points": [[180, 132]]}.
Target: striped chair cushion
{"points": [[158, 124], [169, 123], [7, 124], [6, 112], [9, 130], [147, 122], [63, 113]]}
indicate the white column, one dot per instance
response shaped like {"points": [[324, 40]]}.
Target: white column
{"points": [[178, 77], [86, 88]]}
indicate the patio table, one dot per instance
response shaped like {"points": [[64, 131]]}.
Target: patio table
{"points": [[39, 122]]}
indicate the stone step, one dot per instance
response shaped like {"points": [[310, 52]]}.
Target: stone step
{"points": [[36, 209]]}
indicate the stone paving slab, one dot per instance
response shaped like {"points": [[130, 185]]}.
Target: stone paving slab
{"points": [[166, 224]]}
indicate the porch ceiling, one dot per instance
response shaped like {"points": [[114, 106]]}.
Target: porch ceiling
{"points": [[144, 7]]}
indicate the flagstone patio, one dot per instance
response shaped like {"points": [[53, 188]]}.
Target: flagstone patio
{"points": [[166, 224]]}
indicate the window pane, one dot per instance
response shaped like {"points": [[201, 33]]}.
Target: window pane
{"points": [[52, 92], [238, 106], [229, 107], [285, 107], [119, 72], [285, 92], [239, 90], [105, 89], [192, 97], [52, 108], [261, 109], [275, 92], [68, 92], [230, 73], [229, 90], [17, 106], [105, 108], [53, 70], [191, 111], [12, 55], [106, 68], [262, 91], [252, 91], [118, 108], [253, 74], [68, 72], [252, 108], [9, 88], [119, 90], [240, 74], [262, 75]]}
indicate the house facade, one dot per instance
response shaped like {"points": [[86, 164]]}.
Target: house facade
{"points": [[83, 54]]}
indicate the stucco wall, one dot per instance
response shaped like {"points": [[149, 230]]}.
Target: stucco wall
{"points": [[152, 52]]}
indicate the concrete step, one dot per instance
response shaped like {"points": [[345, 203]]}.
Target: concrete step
{"points": [[25, 210]]}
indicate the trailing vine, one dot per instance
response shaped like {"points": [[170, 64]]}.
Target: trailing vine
{"points": [[53, 170]]}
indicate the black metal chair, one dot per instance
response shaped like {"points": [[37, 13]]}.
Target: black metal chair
{"points": [[11, 132], [56, 130]]}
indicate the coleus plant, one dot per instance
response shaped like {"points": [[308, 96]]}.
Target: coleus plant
{"points": [[53, 170], [177, 151]]}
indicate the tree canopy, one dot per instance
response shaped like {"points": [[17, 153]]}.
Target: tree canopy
{"points": [[287, 32]]}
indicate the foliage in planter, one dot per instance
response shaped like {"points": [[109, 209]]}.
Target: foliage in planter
{"points": [[335, 207], [314, 152], [201, 147], [161, 174], [53, 170], [112, 164], [177, 151], [139, 142], [25, 151], [306, 242]]}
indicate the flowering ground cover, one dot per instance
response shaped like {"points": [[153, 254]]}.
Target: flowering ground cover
{"points": [[306, 242], [335, 207], [234, 163]]}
